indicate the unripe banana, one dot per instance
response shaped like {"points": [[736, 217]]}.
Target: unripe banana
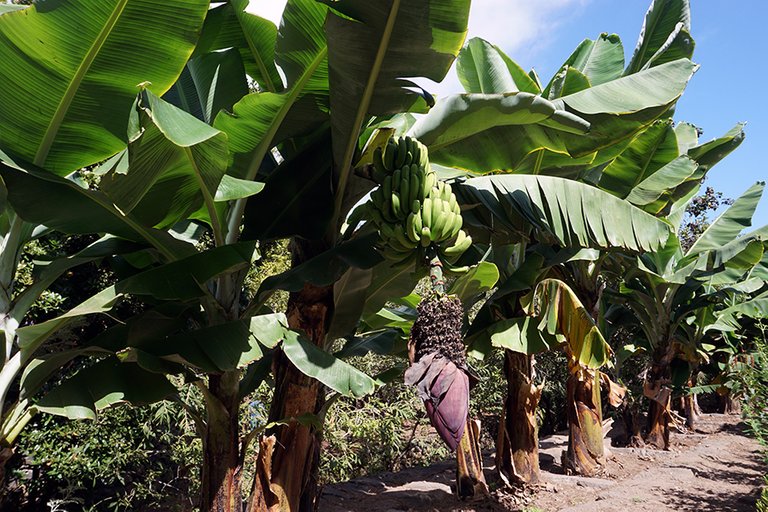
{"points": [[426, 236], [431, 181], [396, 180], [402, 151], [447, 191], [389, 156], [403, 239], [461, 245], [387, 231], [405, 185], [417, 223], [434, 216], [375, 216], [414, 186], [452, 204], [410, 223], [387, 187], [378, 159], [396, 212], [426, 212], [378, 175], [415, 206]]}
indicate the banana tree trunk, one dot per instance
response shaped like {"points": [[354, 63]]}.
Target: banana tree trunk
{"points": [[470, 479], [221, 450], [690, 407], [632, 417], [730, 405], [517, 448], [657, 390], [288, 479], [585, 454]]}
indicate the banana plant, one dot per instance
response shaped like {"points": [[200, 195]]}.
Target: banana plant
{"points": [[670, 291], [196, 147], [55, 135], [580, 122]]}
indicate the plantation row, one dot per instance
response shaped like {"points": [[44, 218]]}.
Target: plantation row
{"points": [[170, 143]]}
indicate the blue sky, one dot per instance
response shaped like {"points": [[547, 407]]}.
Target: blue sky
{"points": [[730, 43]]}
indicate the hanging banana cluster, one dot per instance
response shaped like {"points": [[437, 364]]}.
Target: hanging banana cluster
{"points": [[411, 208]]}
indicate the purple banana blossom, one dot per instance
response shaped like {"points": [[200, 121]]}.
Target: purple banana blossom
{"points": [[444, 387]]}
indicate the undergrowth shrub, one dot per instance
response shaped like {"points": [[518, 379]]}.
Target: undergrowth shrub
{"points": [[130, 458], [754, 386]]}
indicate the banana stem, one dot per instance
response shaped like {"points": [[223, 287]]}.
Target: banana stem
{"points": [[436, 275]]}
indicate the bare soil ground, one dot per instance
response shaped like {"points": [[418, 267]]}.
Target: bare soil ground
{"points": [[717, 468]]}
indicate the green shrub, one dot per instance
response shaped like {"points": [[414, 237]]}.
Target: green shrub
{"points": [[130, 458], [753, 383]]}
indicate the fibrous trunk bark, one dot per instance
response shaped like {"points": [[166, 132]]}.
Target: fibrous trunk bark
{"points": [[690, 407], [470, 479], [585, 454], [287, 481], [656, 388], [517, 448], [221, 453], [730, 405]]}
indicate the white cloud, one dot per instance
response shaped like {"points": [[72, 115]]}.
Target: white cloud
{"points": [[521, 28]]}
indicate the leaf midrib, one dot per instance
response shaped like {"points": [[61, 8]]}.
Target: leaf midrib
{"points": [[362, 108], [74, 85]]}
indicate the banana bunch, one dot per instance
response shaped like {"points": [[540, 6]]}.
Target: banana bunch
{"points": [[399, 152], [411, 208]]}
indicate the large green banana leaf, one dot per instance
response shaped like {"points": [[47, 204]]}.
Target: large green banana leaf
{"points": [[338, 375], [614, 111], [662, 165], [731, 223], [44, 199], [664, 36], [484, 68], [649, 151], [373, 47], [103, 384], [600, 61], [261, 120], [82, 61], [210, 82], [175, 165], [229, 26], [728, 318], [572, 213]]}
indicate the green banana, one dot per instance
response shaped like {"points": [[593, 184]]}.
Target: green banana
{"points": [[403, 239], [396, 180], [426, 236], [389, 156], [414, 186], [396, 212], [387, 187], [434, 217], [378, 160], [405, 184], [413, 234], [417, 223], [426, 212], [415, 206], [402, 151], [462, 243]]}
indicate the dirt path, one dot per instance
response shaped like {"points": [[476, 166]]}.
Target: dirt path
{"points": [[718, 468]]}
